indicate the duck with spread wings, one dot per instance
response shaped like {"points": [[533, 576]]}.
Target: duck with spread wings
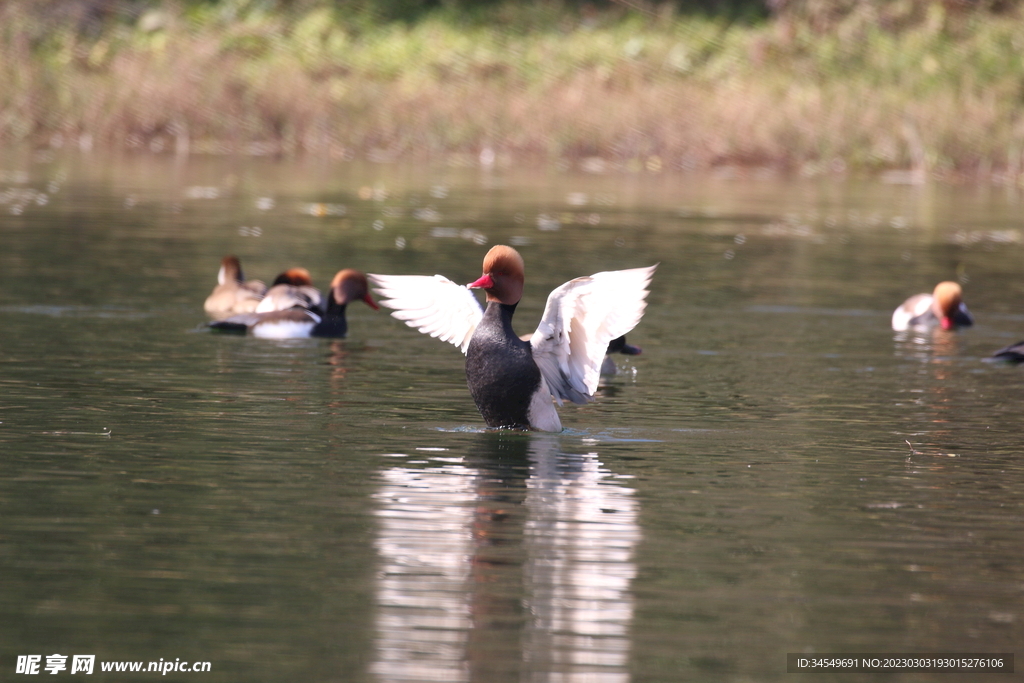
{"points": [[513, 381]]}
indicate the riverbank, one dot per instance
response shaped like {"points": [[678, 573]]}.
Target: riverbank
{"points": [[645, 91]]}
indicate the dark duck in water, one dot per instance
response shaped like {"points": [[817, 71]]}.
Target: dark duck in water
{"points": [[513, 381], [297, 322]]}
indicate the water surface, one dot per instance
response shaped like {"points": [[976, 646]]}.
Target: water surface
{"points": [[778, 472]]}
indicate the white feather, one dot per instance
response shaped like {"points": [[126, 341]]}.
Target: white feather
{"points": [[915, 306], [284, 329], [541, 413], [433, 305], [580, 318]]}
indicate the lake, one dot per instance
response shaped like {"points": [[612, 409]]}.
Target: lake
{"points": [[777, 473]]}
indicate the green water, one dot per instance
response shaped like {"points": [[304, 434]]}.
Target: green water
{"points": [[331, 510]]}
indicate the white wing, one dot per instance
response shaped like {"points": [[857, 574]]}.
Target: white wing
{"points": [[580, 318], [915, 306], [433, 305]]}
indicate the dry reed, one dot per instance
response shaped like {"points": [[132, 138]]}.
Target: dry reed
{"points": [[676, 92]]}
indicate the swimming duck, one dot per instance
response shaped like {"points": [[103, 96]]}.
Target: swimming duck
{"points": [[292, 288], [512, 381], [1014, 353], [944, 307], [293, 323], [233, 293], [617, 345]]}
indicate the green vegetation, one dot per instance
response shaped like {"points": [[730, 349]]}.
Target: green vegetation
{"points": [[925, 86]]}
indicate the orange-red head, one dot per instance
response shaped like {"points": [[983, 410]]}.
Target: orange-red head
{"points": [[298, 277], [504, 274], [946, 300], [350, 285]]}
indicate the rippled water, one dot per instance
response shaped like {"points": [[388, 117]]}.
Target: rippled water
{"points": [[778, 472]]}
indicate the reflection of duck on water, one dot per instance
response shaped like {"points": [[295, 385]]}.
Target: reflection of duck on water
{"points": [[513, 561], [513, 381]]}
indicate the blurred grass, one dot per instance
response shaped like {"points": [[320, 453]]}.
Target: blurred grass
{"points": [[942, 93]]}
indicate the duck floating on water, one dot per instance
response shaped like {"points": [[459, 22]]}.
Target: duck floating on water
{"points": [[233, 293], [1014, 353], [299, 322], [617, 345], [512, 381], [944, 307], [292, 288]]}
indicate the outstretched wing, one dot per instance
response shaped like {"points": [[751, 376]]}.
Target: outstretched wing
{"points": [[580, 318], [433, 305]]}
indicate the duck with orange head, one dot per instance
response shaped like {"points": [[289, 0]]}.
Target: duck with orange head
{"points": [[944, 307], [515, 381], [296, 322], [292, 289], [233, 293]]}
